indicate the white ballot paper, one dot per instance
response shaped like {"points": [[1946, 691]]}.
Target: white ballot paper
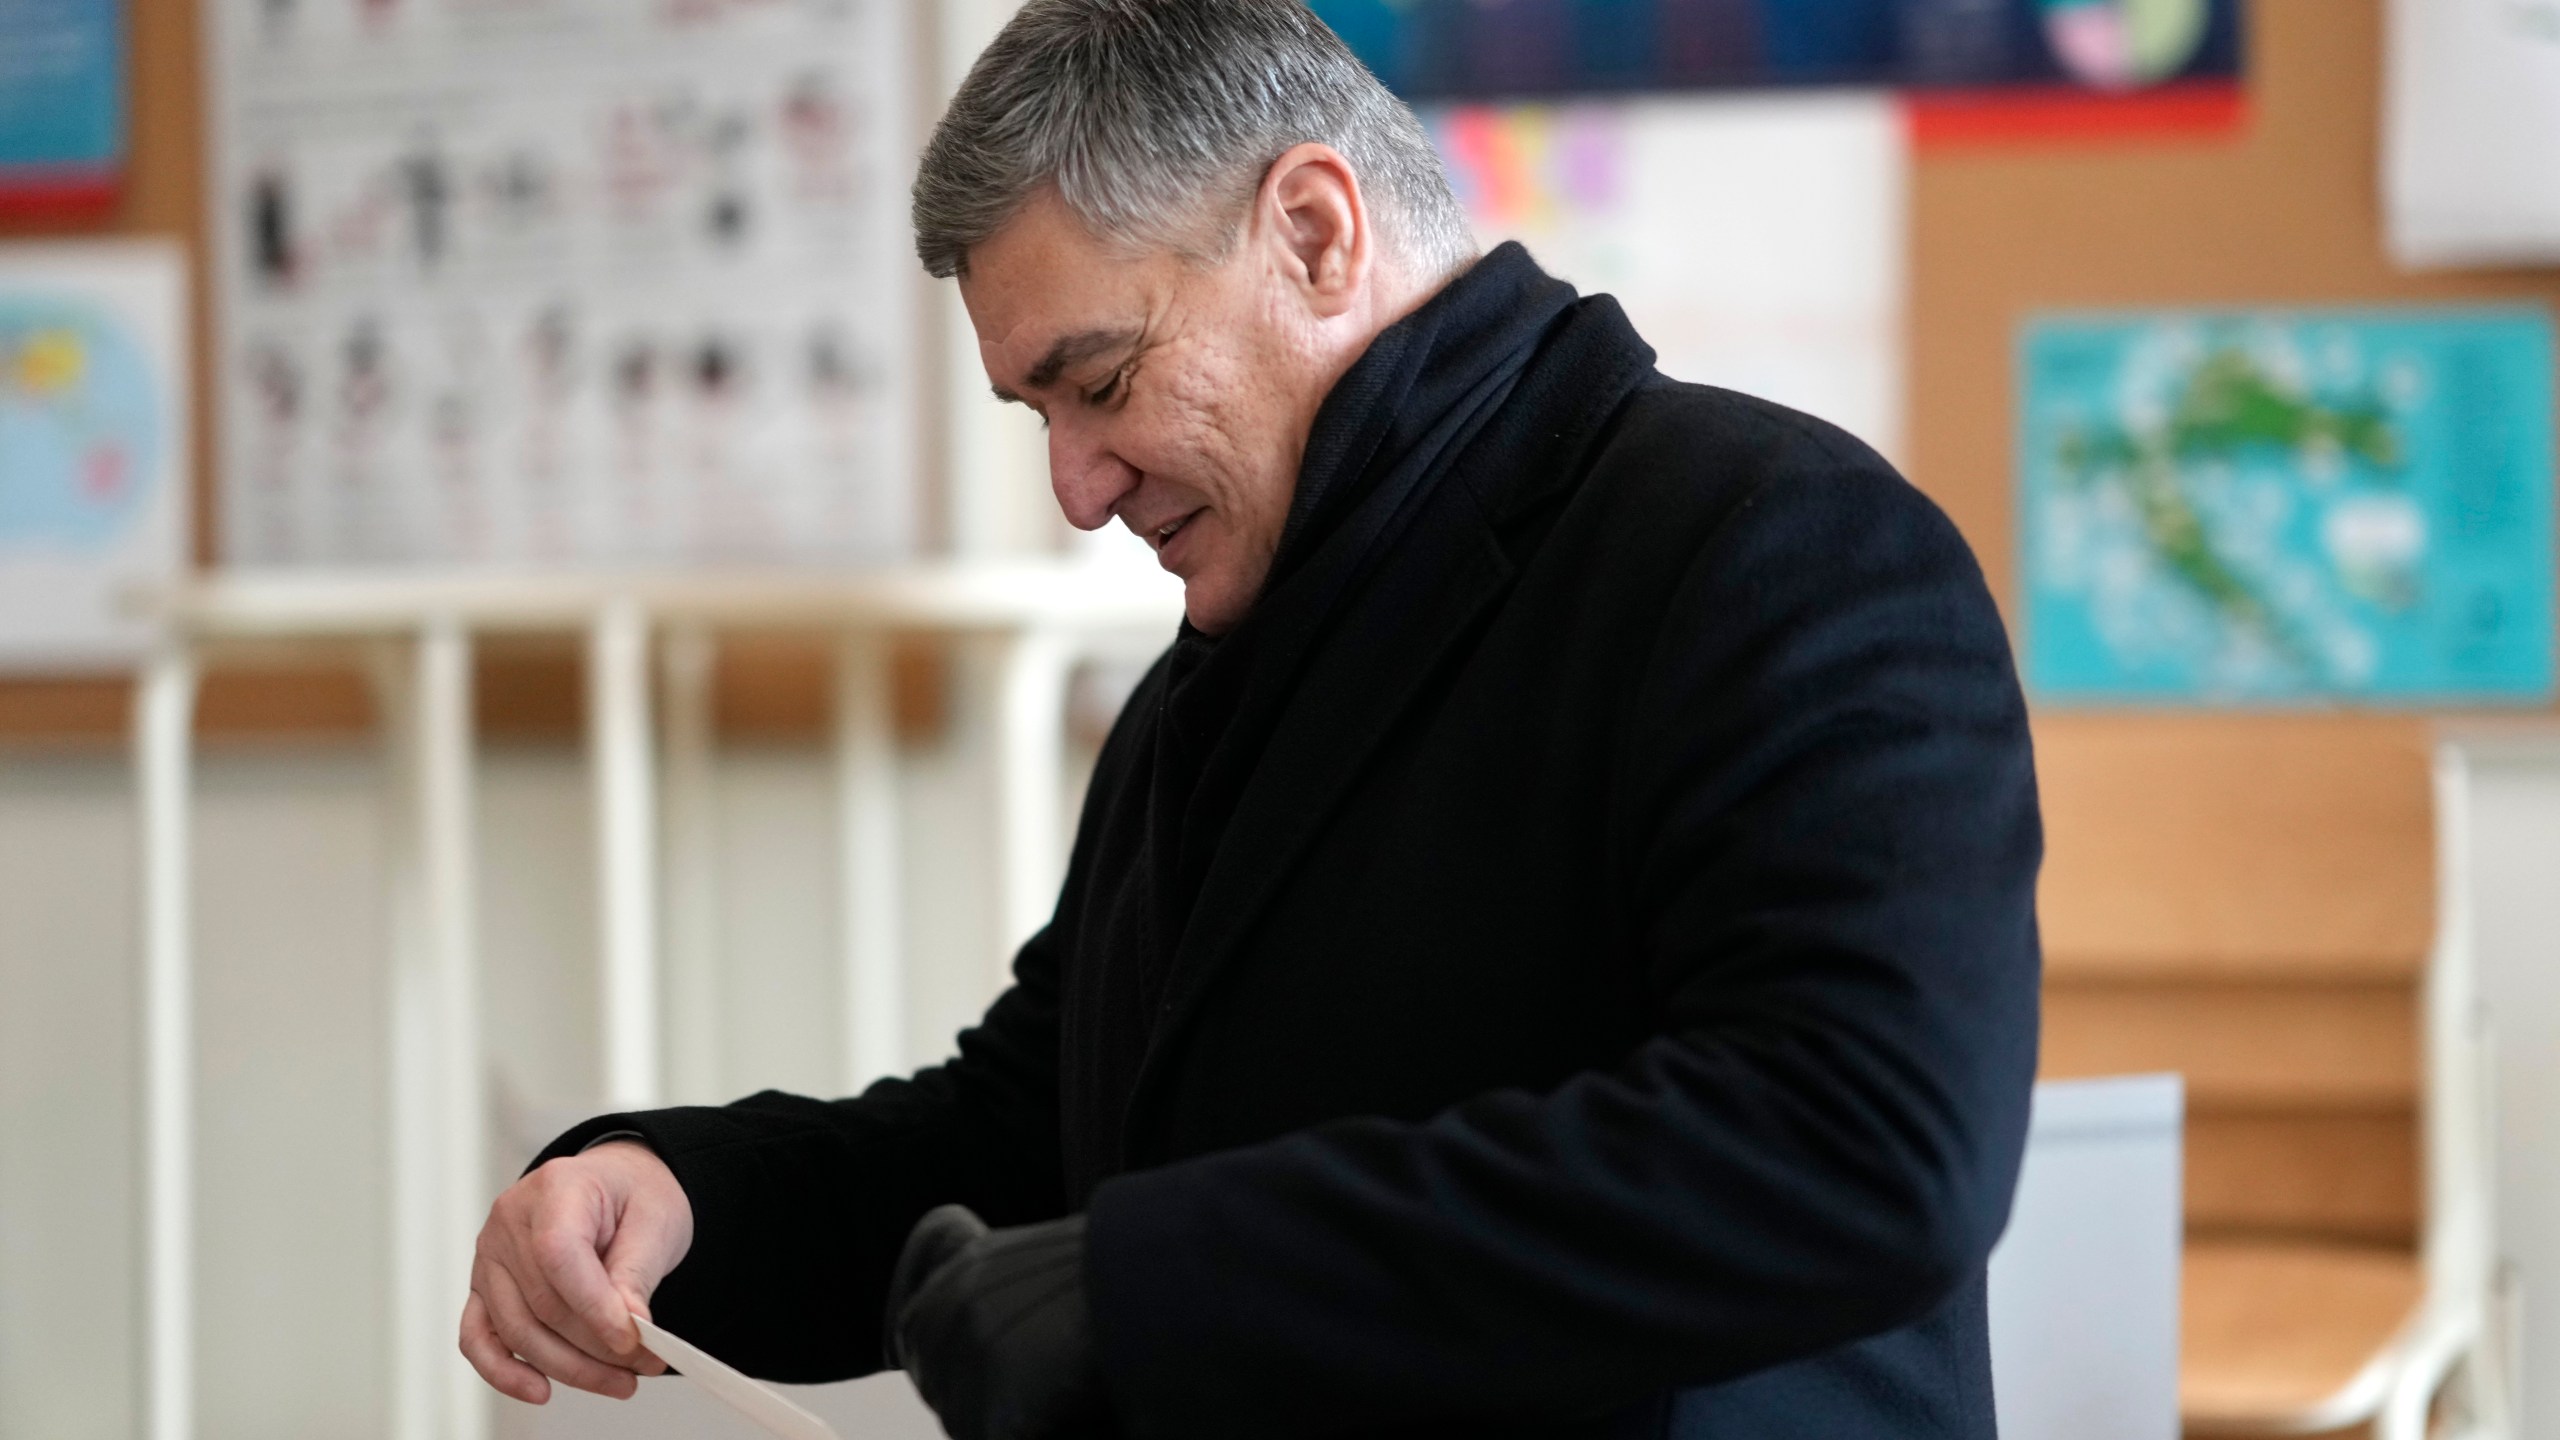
{"points": [[753, 1399]]}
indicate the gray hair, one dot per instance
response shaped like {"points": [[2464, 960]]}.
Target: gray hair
{"points": [[1156, 121]]}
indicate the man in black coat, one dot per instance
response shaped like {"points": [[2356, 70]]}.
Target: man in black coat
{"points": [[1548, 951]]}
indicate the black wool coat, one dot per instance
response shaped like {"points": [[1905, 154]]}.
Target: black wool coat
{"points": [[1604, 1005]]}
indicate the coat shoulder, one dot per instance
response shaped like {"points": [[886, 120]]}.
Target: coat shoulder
{"points": [[1711, 452], [1687, 468]]}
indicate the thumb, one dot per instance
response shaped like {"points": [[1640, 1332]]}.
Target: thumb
{"points": [[643, 1250], [649, 1361]]}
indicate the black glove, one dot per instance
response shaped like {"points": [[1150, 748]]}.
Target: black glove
{"points": [[994, 1329]]}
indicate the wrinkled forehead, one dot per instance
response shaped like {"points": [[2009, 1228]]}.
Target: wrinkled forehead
{"points": [[1044, 291]]}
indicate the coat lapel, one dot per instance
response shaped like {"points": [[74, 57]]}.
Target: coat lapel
{"points": [[1411, 618], [1385, 656]]}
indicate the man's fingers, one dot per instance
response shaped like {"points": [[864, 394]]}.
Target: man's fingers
{"points": [[489, 1355], [569, 1292], [543, 1347]]}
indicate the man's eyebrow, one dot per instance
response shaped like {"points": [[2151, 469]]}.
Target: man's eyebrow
{"points": [[1073, 349]]}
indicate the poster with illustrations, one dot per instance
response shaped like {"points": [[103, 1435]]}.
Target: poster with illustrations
{"points": [[2288, 507], [541, 282], [93, 431]]}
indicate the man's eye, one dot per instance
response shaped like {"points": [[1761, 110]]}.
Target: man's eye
{"points": [[1110, 389]]}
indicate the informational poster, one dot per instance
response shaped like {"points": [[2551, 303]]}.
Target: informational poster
{"points": [[1467, 49], [1756, 241], [93, 425], [62, 106], [2288, 507], [2471, 132], [610, 282]]}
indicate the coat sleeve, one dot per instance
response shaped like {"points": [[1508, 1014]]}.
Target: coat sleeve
{"points": [[1826, 841], [800, 1205]]}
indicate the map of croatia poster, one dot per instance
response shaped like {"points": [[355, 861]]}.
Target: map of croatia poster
{"points": [[2287, 507]]}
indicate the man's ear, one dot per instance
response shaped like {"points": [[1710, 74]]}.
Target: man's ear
{"points": [[1313, 218]]}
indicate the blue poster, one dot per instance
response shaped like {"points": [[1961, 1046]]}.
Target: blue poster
{"points": [[62, 118], [1502, 49], [93, 425], [80, 417], [2287, 507]]}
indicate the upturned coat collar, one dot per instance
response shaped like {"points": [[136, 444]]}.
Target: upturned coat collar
{"points": [[1428, 464]]}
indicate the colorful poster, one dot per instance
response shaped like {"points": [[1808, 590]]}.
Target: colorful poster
{"points": [[1469, 49], [564, 282], [2288, 507], [93, 422], [1794, 296], [62, 111]]}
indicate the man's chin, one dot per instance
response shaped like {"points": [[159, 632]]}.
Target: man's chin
{"points": [[1210, 603]]}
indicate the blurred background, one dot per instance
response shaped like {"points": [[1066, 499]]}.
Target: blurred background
{"points": [[514, 600]]}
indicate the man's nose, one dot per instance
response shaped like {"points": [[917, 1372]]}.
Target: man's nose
{"points": [[1086, 476]]}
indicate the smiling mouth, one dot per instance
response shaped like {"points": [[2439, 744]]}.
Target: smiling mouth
{"points": [[1164, 533]]}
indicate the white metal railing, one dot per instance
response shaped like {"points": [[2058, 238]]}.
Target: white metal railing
{"points": [[1027, 623]]}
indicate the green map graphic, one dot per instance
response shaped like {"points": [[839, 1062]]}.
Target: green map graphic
{"points": [[2288, 507]]}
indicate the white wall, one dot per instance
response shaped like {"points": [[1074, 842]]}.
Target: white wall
{"points": [[290, 855], [67, 1276]]}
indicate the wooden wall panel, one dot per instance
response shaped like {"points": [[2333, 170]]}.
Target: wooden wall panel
{"points": [[2250, 1045], [2274, 845], [2334, 1176], [768, 689]]}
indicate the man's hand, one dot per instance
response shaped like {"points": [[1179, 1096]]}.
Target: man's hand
{"points": [[994, 1328], [570, 1253]]}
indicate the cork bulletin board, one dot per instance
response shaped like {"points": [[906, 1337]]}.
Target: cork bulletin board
{"points": [[2281, 209]]}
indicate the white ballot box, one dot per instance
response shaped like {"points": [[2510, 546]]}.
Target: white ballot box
{"points": [[2084, 1286]]}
